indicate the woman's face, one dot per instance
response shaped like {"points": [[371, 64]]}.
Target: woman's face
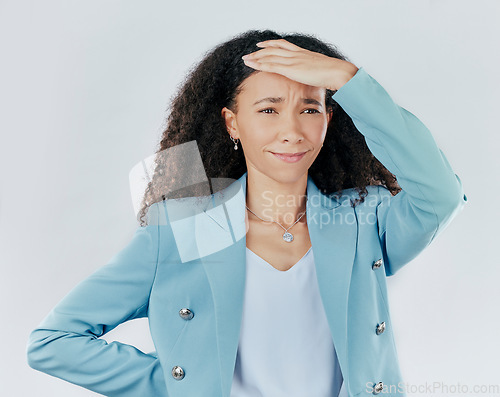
{"points": [[278, 115]]}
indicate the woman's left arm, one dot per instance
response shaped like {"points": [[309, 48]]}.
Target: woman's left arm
{"points": [[432, 194]]}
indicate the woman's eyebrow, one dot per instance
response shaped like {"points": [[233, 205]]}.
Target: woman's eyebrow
{"points": [[307, 101]]}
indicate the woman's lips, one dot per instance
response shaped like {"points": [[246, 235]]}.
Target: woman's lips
{"points": [[289, 157]]}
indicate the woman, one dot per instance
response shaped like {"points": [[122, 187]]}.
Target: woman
{"points": [[275, 284]]}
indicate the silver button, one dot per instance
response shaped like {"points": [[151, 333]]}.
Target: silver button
{"points": [[377, 264], [177, 372], [380, 328], [378, 388], [186, 314]]}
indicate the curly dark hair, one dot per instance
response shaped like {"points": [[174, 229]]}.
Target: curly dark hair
{"points": [[195, 115]]}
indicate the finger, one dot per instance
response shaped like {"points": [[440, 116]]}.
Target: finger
{"points": [[272, 67], [273, 59], [279, 43], [270, 51]]}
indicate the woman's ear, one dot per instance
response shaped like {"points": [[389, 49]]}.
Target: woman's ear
{"points": [[230, 121]]}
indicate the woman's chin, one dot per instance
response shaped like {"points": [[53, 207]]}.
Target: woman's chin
{"points": [[286, 175]]}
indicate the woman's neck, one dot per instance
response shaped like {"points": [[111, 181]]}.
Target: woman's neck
{"points": [[273, 200]]}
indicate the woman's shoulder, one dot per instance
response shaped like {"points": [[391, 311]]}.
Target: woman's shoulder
{"points": [[161, 212]]}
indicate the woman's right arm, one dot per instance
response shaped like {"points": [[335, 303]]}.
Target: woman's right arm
{"points": [[66, 344]]}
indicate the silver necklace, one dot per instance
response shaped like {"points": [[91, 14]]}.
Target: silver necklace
{"points": [[287, 236]]}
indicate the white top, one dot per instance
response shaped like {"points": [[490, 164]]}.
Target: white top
{"points": [[285, 347]]}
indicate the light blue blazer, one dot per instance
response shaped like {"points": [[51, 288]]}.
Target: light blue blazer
{"points": [[192, 256]]}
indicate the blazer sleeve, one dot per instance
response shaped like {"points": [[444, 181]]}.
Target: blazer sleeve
{"points": [[66, 344], [431, 195]]}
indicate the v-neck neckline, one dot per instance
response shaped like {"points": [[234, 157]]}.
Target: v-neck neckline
{"points": [[273, 268]]}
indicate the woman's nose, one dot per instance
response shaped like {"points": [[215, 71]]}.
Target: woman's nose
{"points": [[291, 129]]}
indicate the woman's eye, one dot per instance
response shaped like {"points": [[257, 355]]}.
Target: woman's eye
{"points": [[269, 110]]}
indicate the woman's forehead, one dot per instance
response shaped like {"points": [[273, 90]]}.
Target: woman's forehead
{"points": [[274, 84]]}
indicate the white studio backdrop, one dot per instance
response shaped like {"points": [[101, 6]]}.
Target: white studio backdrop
{"points": [[84, 91]]}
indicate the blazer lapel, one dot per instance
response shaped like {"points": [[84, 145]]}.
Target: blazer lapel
{"points": [[225, 269], [333, 232], [222, 228]]}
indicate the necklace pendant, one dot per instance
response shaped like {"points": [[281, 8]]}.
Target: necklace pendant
{"points": [[288, 237]]}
